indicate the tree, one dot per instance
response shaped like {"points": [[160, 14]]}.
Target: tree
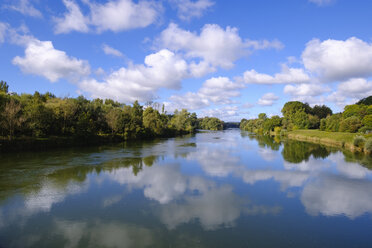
{"points": [[4, 87], [152, 121], [350, 124], [113, 118], [365, 101], [12, 117], [321, 111], [295, 115]]}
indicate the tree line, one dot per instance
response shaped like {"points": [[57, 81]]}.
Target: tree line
{"points": [[297, 115], [45, 115]]}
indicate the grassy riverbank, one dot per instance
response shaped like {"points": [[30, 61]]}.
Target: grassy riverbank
{"points": [[335, 139]]}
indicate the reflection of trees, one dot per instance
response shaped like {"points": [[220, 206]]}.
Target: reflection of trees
{"points": [[263, 140], [360, 158], [297, 151], [32, 180]]}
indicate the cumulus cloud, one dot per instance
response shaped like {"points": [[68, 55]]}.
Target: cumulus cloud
{"points": [[330, 196], [187, 9], [218, 206], [285, 178], [338, 60], [41, 58], [111, 51], [217, 90], [163, 69], [25, 7], [287, 75], [305, 90], [73, 19], [350, 91], [355, 88], [123, 15], [268, 99], [215, 45], [223, 113], [115, 15]]}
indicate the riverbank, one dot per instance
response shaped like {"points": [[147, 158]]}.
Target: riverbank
{"points": [[334, 139], [40, 144]]}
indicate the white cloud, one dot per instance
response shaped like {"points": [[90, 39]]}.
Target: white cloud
{"points": [[321, 2], [306, 89], [25, 8], [220, 90], [338, 60], [122, 15], [216, 207], [224, 113], [188, 9], [163, 69], [268, 99], [114, 15], [73, 20], [285, 178], [287, 75], [356, 88], [42, 59], [214, 45], [330, 196], [351, 91], [217, 90], [111, 51]]}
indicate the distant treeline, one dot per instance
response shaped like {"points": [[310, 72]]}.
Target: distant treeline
{"points": [[297, 115], [45, 115]]}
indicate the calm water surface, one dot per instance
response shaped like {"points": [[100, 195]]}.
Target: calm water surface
{"points": [[214, 189]]}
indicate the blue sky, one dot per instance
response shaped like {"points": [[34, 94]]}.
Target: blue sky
{"points": [[229, 59]]}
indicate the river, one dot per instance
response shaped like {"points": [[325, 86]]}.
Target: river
{"points": [[213, 189]]}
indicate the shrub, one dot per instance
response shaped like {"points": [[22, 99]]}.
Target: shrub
{"points": [[359, 141], [365, 130], [351, 124], [277, 130], [368, 145]]}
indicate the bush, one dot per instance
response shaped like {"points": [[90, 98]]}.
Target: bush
{"points": [[368, 145], [365, 130], [359, 141], [277, 130], [350, 124]]}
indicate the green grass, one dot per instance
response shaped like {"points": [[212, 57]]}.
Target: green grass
{"points": [[337, 136]]}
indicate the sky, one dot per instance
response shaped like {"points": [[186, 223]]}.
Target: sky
{"points": [[227, 59]]}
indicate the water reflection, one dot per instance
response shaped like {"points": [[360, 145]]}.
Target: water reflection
{"points": [[177, 191]]}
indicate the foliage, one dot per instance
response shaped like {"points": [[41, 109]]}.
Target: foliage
{"points": [[44, 115], [321, 111], [210, 123], [350, 124], [368, 145], [4, 87], [359, 141], [298, 115], [365, 101]]}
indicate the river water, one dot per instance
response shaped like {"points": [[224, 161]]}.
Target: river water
{"points": [[213, 189]]}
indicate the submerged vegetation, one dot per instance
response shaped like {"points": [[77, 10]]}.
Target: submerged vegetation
{"points": [[45, 116]]}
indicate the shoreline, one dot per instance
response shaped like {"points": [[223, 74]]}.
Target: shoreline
{"points": [[333, 139]]}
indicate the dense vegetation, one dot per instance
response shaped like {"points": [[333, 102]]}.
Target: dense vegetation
{"points": [[44, 115], [297, 115]]}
